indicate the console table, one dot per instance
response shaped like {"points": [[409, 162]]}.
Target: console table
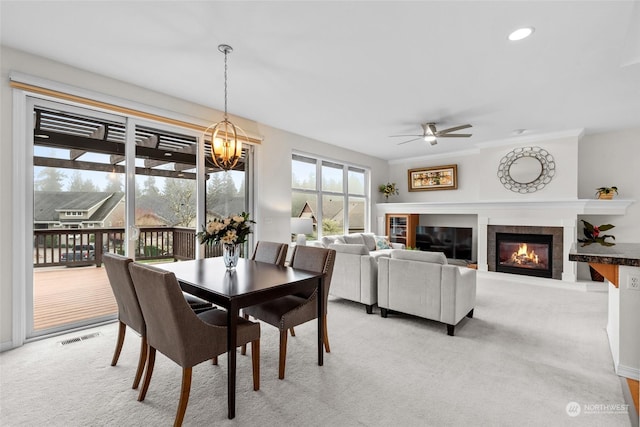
{"points": [[620, 265]]}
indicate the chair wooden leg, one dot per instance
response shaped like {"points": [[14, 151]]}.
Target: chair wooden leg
{"points": [[142, 360], [293, 333], [122, 330], [283, 354], [151, 361], [255, 363], [325, 338], [243, 349], [184, 396]]}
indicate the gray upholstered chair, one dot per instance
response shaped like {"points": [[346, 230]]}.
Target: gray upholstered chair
{"points": [[271, 252], [292, 310], [180, 334], [129, 314]]}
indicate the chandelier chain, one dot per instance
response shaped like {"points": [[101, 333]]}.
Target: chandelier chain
{"points": [[226, 51]]}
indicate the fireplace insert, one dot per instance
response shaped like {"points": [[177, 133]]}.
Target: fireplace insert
{"points": [[526, 254]]}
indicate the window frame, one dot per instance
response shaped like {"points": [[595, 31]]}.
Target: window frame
{"points": [[346, 194]]}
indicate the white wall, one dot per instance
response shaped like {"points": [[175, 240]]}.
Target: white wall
{"points": [[583, 163], [273, 157]]}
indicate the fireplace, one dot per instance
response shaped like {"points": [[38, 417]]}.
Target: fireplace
{"points": [[527, 254], [545, 242]]}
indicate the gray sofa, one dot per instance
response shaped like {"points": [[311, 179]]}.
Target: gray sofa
{"points": [[423, 284], [355, 272]]}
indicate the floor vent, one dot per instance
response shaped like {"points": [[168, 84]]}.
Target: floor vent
{"points": [[78, 339]]}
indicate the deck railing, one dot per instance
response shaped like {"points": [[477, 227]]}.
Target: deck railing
{"points": [[75, 247]]}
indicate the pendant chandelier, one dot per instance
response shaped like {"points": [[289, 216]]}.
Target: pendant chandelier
{"points": [[226, 148]]}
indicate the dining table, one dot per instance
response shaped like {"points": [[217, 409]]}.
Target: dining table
{"points": [[249, 283]]}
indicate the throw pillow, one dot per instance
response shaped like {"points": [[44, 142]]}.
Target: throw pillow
{"points": [[382, 242], [369, 241]]}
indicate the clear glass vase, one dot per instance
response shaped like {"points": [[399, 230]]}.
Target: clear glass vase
{"points": [[230, 254]]}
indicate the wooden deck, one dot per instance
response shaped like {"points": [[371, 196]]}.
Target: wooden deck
{"points": [[70, 295]]}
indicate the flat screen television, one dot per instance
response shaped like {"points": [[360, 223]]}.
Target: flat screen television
{"points": [[455, 242]]}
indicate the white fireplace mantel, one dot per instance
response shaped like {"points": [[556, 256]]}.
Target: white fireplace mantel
{"points": [[552, 213], [575, 206]]}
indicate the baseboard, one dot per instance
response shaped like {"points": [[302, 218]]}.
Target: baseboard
{"points": [[633, 410], [628, 372], [7, 345]]}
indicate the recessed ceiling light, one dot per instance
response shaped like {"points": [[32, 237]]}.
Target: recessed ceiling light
{"points": [[521, 33]]}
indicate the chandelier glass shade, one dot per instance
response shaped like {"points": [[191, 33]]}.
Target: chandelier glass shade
{"points": [[226, 148]]}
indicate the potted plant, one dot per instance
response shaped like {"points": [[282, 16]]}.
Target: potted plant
{"points": [[606, 192], [388, 189], [592, 234]]}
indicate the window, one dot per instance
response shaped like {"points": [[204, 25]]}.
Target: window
{"points": [[332, 194]]}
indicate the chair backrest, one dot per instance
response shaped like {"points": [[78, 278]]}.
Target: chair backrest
{"points": [[271, 252], [172, 327], [129, 312], [318, 260]]}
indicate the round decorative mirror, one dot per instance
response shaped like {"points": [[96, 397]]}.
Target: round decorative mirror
{"points": [[526, 169]]}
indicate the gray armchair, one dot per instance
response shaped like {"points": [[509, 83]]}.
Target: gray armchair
{"points": [[423, 284]]}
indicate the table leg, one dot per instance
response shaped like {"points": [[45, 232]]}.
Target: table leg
{"points": [[320, 322], [232, 340]]}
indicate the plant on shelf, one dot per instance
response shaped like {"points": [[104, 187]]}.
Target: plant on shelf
{"points": [[388, 189], [606, 192], [592, 234]]}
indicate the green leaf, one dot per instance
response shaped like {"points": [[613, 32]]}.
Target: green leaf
{"points": [[605, 227]]}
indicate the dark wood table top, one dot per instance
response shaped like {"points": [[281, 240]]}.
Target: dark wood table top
{"points": [[208, 279]]}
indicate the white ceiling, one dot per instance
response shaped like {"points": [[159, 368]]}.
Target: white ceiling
{"points": [[353, 73]]}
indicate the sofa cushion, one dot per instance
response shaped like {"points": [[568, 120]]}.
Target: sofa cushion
{"points": [[424, 256], [348, 248], [369, 241], [327, 240], [354, 238], [382, 242]]}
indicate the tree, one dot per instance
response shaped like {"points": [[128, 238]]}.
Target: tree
{"points": [[76, 183], [49, 179], [114, 183], [180, 202]]}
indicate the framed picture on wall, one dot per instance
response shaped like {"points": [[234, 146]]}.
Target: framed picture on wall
{"points": [[435, 178]]}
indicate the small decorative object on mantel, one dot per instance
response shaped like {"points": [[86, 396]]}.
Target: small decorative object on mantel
{"points": [[388, 189], [232, 232], [592, 234], [606, 192]]}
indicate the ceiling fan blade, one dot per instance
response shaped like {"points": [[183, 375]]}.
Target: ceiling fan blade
{"points": [[453, 129], [455, 135], [393, 136], [411, 140]]}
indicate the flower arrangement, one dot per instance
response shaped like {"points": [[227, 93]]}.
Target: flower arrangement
{"points": [[388, 189], [592, 234], [233, 229]]}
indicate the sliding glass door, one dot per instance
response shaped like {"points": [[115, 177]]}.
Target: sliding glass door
{"points": [[106, 182]]}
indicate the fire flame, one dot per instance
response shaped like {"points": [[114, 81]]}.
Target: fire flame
{"points": [[522, 256]]}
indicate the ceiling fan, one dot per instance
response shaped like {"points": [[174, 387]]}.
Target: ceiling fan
{"points": [[430, 134]]}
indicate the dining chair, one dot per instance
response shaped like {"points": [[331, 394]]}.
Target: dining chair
{"points": [[129, 313], [180, 334], [271, 252], [292, 310]]}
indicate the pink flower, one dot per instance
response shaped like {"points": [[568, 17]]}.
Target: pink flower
{"points": [[596, 231]]}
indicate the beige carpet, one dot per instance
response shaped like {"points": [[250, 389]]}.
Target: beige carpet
{"points": [[528, 352]]}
